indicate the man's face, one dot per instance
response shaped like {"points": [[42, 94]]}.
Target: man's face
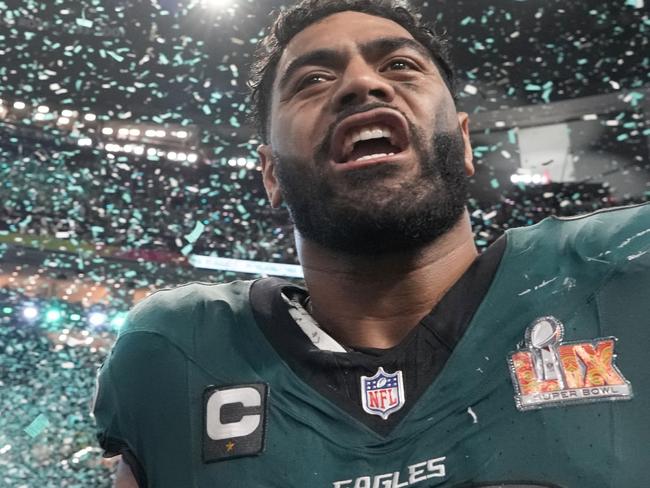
{"points": [[366, 147]]}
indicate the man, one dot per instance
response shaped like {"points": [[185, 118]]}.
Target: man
{"points": [[409, 360]]}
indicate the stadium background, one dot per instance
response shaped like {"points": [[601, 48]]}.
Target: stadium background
{"points": [[127, 164]]}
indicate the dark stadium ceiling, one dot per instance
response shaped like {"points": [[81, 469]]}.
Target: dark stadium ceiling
{"points": [[185, 61]]}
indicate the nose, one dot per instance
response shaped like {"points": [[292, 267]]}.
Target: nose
{"points": [[362, 83]]}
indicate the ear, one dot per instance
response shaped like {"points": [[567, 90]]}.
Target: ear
{"points": [[265, 153], [463, 121]]}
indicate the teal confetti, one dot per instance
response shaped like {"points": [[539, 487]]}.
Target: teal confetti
{"points": [[193, 236], [115, 56], [85, 23], [634, 98], [37, 426], [479, 151]]}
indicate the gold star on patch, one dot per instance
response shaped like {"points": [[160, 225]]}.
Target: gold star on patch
{"points": [[230, 446]]}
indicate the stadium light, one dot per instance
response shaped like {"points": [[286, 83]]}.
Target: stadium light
{"points": [[90, 117], [528, 179], [53, 315], [19, 105], [30, 312], [97, 318], [220, 3], [43, 109], [119, 320], [107, 131]]}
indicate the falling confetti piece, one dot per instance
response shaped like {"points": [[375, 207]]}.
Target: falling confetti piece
{"points": [[196, 233], [85, 23], [37, 426], [472, 414]]}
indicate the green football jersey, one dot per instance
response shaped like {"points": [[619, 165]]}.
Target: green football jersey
{"points": [[547, 387]]}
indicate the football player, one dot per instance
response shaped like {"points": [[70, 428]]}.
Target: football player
{"points": [[408, 359]]}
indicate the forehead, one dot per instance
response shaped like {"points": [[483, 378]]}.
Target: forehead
{"points": [[343, 30]]}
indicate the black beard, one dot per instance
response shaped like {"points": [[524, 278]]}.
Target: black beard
{"points": [[361, 215]]}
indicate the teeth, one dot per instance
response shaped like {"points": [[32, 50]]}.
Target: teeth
{"points": [[365, 134], [372, 156]]}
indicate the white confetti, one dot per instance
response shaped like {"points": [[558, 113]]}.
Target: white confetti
{"points": [[473, 415]]}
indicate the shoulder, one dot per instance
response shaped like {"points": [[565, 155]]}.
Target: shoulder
{"points": [[176, 313], [613, 233], [186, 301]]}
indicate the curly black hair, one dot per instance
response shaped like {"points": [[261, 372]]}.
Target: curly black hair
{"points": [[293, 20]]}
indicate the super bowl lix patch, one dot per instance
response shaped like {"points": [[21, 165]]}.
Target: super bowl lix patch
{"points": [[549, 372]]}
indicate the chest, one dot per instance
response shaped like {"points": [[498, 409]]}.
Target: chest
{"points": [[466, 427]]}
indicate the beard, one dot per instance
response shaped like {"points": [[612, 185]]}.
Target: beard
{"points": [[366, 211]]}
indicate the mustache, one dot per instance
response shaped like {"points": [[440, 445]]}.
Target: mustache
{"points": [[323, 149]]}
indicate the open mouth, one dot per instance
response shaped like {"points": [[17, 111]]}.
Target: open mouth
{"points": [[370, 135]]}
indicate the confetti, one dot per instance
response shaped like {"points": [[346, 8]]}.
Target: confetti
{"points": [[472, 414], [38, 425], [105, 217]]}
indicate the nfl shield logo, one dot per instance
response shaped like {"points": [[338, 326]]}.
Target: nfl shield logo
{"points": [[383, 393]]}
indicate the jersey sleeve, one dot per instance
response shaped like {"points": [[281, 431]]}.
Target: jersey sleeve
{"points": [[616, 235], [106, 409], [107, 414], [150, 389], [143, 404]]}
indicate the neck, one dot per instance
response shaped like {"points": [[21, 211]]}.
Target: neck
{"points": [[376, 301]]}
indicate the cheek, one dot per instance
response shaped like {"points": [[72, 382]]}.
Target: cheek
{"points": [[432, 106], [294, 134]]}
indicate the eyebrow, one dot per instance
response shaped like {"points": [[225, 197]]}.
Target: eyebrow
{"points": [[333, 58]]}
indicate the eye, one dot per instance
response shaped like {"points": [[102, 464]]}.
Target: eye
{"points": [[400, 64], [310, 79]]}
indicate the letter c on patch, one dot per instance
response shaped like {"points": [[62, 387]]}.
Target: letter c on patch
{"points": [[246, 397]]}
